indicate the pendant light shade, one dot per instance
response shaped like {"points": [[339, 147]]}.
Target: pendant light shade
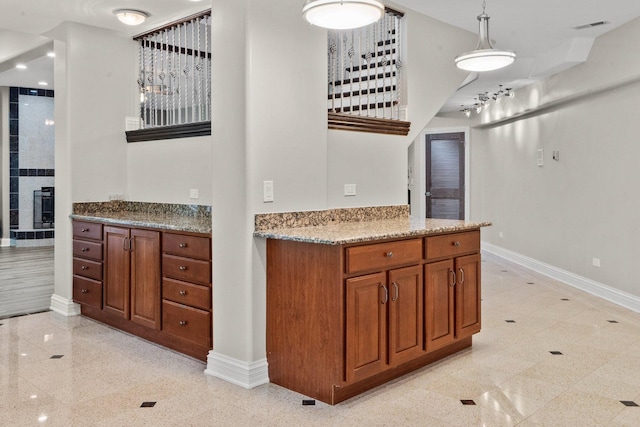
{"points": [[342, 14], [484, 57]]}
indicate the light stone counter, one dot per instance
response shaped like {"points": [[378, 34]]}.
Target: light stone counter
{"points": [[365, 231], [191, 218]]}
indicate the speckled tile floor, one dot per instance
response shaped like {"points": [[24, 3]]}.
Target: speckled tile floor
{"points": [[104, 376]]}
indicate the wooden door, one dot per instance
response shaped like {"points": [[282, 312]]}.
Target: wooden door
{"points": [[439, 304], [116, 271], [367, 298], [468, 295], [406, 318], [445, 175], [145, 278]]}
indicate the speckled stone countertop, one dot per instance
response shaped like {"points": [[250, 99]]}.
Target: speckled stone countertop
{"points": [[165, 216], [365, 231]]}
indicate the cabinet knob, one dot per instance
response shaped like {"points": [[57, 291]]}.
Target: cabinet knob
{"points": [[84, 291], [84, 230], [182, 293], [389, 254], [182, 268], [182, 323], [84, 267], [456, 244], [182, 245], [85, 249]]}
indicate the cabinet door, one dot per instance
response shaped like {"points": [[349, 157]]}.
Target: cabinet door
{"points": [[116, 271], [439, 304], [406, 317], [366, 332], [467, 295], [145, 278]]}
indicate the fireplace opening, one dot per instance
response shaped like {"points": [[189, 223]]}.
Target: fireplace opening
{"points": [[43, 208]]}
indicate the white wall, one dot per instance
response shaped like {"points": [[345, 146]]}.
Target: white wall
{"points": [[4, 166], [585, 205]]}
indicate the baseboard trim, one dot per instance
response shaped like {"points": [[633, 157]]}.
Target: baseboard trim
{"points": [[5, 243], [244, 374], [592, 287], [64, 306]]}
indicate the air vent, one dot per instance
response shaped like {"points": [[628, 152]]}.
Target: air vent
{"points": [[593, 24]]}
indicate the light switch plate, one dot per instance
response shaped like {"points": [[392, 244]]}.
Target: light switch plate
{"points": [[267, 191], [540, 157]]}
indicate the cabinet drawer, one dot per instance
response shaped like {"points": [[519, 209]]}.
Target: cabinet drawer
{"points": [[187, 293], [186, 322], [187, 246], [450, 245], [87, 291], [87, 230], [187, 269], [86, 249], [383, 255], [86, 268]]}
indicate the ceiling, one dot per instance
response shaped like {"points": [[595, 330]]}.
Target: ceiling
{"points": [[541, 32]]}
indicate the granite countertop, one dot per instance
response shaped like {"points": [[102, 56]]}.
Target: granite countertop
{"points": [[364, 231], [196, 219]]}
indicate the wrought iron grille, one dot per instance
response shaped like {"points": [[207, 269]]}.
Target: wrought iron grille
{"points": [[175, 73], [365, 69]]}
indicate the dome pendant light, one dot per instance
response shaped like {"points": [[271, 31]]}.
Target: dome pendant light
{"points": [[485, 57], [342, 14]]}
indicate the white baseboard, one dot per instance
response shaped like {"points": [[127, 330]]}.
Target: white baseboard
{"points": [[64, 306], [5, 242], [244, 374], [592, 287]]}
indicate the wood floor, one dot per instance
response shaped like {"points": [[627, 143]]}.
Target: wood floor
{"points": [[26, 280]]}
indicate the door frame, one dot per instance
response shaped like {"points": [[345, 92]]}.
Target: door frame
{"points": [[418, 171]]}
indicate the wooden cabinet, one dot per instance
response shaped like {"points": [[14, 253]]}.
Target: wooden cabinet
{"points": [[186, 293], [132, 275], [452, 297], [342, 319], [87, 263], [151, 283]]}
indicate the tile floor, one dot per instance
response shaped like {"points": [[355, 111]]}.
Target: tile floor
{"points": [[75, 372]]}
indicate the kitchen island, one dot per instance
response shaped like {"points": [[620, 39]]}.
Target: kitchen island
{"points": [[352, 304]]}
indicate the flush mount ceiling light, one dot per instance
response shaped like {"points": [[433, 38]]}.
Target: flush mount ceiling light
{"points": [[131, 16], [342, 14], [484, 57]]}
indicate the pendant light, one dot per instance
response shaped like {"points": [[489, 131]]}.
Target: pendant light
{"points": [[342, 14], [484, 57]]}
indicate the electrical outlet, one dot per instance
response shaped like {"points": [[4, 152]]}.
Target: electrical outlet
{"points": [[116, 196], [267, 191], [501, 235], [349, 189], [193, 193], [596, 262]]}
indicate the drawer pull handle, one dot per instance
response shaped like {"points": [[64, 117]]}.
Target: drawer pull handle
{"points": [[389, 254], [85, 249], [182, 323], [84, 230], [182, 268], [453, 278], [182, 293], [461, 276], [84, 267], [84, 291], [456, 244], [182, 245], [397, 292]]}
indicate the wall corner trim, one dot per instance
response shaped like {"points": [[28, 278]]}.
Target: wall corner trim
{"points": [[244, 374], [589, 286], [5, 243], [64, 306]]}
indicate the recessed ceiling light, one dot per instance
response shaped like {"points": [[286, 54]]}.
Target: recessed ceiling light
{"points": [[51, 54], [43, 83], [131, 16], [21, 66]]}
